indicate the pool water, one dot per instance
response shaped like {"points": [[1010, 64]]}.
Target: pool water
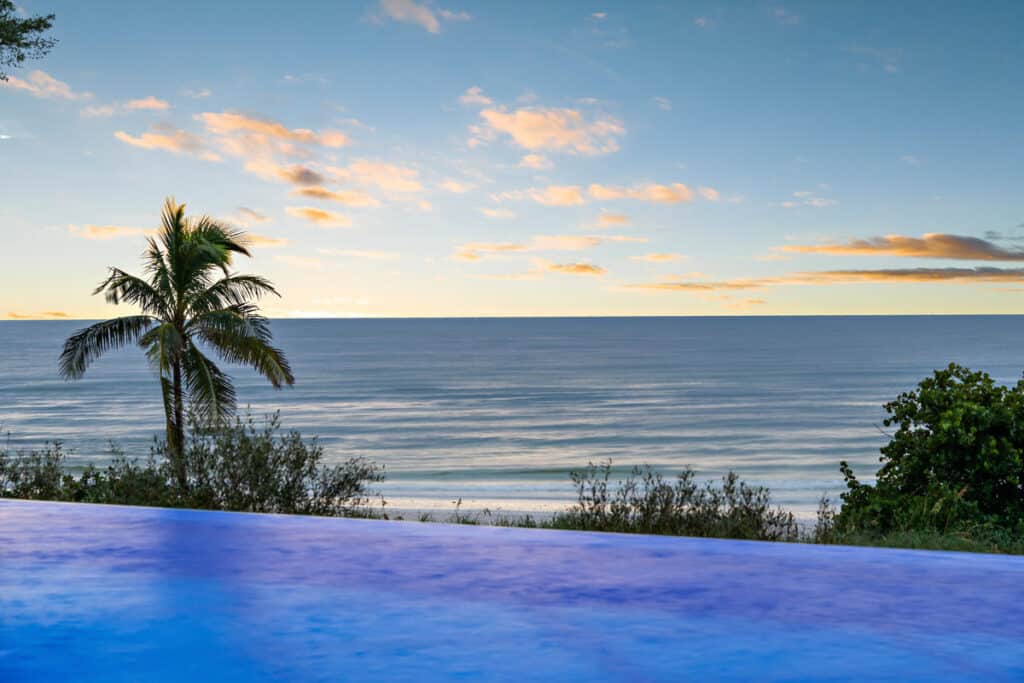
{"points": [[107, 593]]}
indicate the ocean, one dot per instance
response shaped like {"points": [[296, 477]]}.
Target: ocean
{"points": [[497, 411]]}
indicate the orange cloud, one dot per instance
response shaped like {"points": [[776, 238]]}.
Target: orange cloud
{"points": [[474, 251], [556, 129], [667, 194], [41, 84], [553, 195], [709, 193], [609, 220], [577, 242], [576, 268], [346, 197], [105, 232], [498, 213], [246, 216], [536, 161], [150, 103], [296, 174], [659, 257], [264, 241], [171, 140], [326, 219], [229, 123], [456, 186], [36, 316], [388, 177], [931, 245], [831, 277]]}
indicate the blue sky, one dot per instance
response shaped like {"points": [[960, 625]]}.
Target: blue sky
{"points": [[573, 158]]}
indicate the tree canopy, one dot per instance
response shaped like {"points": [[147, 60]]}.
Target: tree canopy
{"points": [[22, 38]]}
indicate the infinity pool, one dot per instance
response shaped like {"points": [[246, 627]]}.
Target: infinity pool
{"points": [[97, 593]]}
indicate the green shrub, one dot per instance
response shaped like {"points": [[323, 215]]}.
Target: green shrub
{"points": [[647, 504], [239, 466], [955, 461]]}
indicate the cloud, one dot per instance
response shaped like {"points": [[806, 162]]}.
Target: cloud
{"points": [[660, 257], [610, 220], [229, 123], [662, 103], [449, 15], [805, 198], [99, 110], [388, 177], [536, 161], [498, 213], [265, 241], [41, 84], [709, 193], [420, 14], [910, 160], [299, 261], [197, 94], [667, 194], [363, 254], [149, 103], [553, 195], [477, 251], [246, 216], [703, 22], [37, 316], [106, 232], [456, 186], [539, 128], [576, 242], [296, 174], [930, 245], [576, 268], [475, 95], [326, 219], [983, 275], [346, 197], [171, 140], [474, 251]]}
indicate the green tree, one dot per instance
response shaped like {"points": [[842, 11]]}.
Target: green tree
{"points": [[956, 459], [189, 297], [22, 38]]}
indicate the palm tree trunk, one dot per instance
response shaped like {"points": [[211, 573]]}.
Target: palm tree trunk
{"points": [[178, 449]]}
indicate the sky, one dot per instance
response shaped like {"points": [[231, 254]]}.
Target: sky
{"points": [[470, 158]]}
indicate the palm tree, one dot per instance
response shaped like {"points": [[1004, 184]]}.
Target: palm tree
{"points": [[189, 296]]}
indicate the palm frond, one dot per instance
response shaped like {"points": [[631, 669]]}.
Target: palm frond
{"points": [[86, 345], [121, 286], [210, 390], [230, 291], [163, 346], [239, 336]]}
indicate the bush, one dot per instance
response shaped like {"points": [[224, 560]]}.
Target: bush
{"points": [[647, 504], [954, 463], [239, 467]]}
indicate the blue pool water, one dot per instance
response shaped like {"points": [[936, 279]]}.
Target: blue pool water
{"points": [[103, 593], [498, 411]]}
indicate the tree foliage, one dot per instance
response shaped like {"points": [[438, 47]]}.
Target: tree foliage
{"points": [[191, 301], [955, 461], [22, 38], [240, 466]]}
